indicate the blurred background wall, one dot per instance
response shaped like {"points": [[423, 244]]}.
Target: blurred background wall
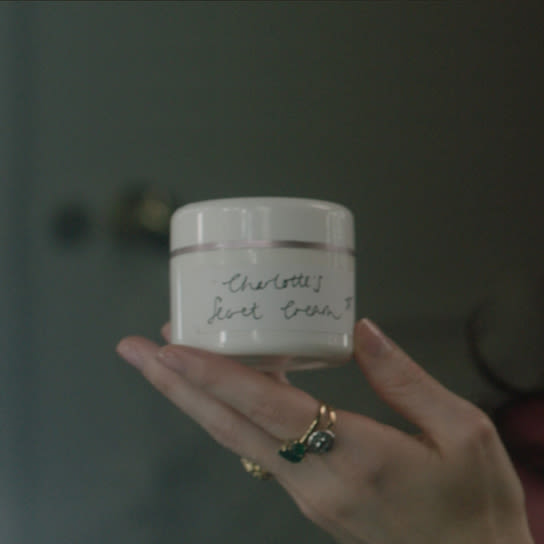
{"points": [[425, 118]]}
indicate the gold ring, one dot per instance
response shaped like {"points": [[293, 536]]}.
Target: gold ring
{"points": [[314, 440], [255, 470]]}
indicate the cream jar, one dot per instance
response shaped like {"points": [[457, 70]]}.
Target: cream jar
{"points": [[267, 281]]}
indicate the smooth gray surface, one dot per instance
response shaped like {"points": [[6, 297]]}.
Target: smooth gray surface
{"points": [[425, 119], [7, 300]]}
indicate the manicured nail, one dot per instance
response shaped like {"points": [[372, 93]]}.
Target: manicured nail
{"points": [[130, 353], [370, 340]]}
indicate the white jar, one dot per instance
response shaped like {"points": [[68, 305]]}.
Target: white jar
{"points": [[268, 281]]}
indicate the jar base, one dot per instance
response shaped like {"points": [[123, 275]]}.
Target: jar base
{"points": [[287, 364], [277, 351]]}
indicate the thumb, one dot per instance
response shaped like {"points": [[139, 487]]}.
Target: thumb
{"points": [[403, 384]]}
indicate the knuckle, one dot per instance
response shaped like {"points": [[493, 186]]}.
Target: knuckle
{"points": [[406, 377], [317, 509], [308, 511], [372, 476], [265, 413], [330, 507], [162, 381], [480, 432], [224, 432], [199, 374], [376, 476]]}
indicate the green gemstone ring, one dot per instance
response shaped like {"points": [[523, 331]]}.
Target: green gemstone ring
{"points": [[293, 450], [313, 440]]}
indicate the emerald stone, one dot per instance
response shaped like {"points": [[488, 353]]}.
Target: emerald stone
{"points": [[293, 451]]}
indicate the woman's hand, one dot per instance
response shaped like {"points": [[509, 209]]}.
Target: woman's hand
{"points": [[453, 483]]}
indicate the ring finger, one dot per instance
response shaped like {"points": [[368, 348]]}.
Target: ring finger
{"points": [[226, 425], [281, 409], [243, 409]]}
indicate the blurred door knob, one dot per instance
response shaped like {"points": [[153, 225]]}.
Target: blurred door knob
{"points": [[141, 214], [71, 224]]}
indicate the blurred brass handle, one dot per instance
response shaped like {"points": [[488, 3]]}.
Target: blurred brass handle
{"points": [[141, 214]]}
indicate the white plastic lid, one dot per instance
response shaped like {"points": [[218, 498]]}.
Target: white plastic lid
{"points": [[262, 219]]}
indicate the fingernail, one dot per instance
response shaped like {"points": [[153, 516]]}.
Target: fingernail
{"points": [[370, 340], [130, 353]]}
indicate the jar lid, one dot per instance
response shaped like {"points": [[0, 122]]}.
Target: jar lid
{"points": [[261, 220]]}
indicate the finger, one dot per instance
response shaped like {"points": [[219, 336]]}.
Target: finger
{"points": [[278, 375], [236, 432], [225, 425], [281, 409], [405, 386], [166, 332]]}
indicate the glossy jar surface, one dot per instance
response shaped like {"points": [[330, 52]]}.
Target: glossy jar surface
{"points": [[267, 281]]}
